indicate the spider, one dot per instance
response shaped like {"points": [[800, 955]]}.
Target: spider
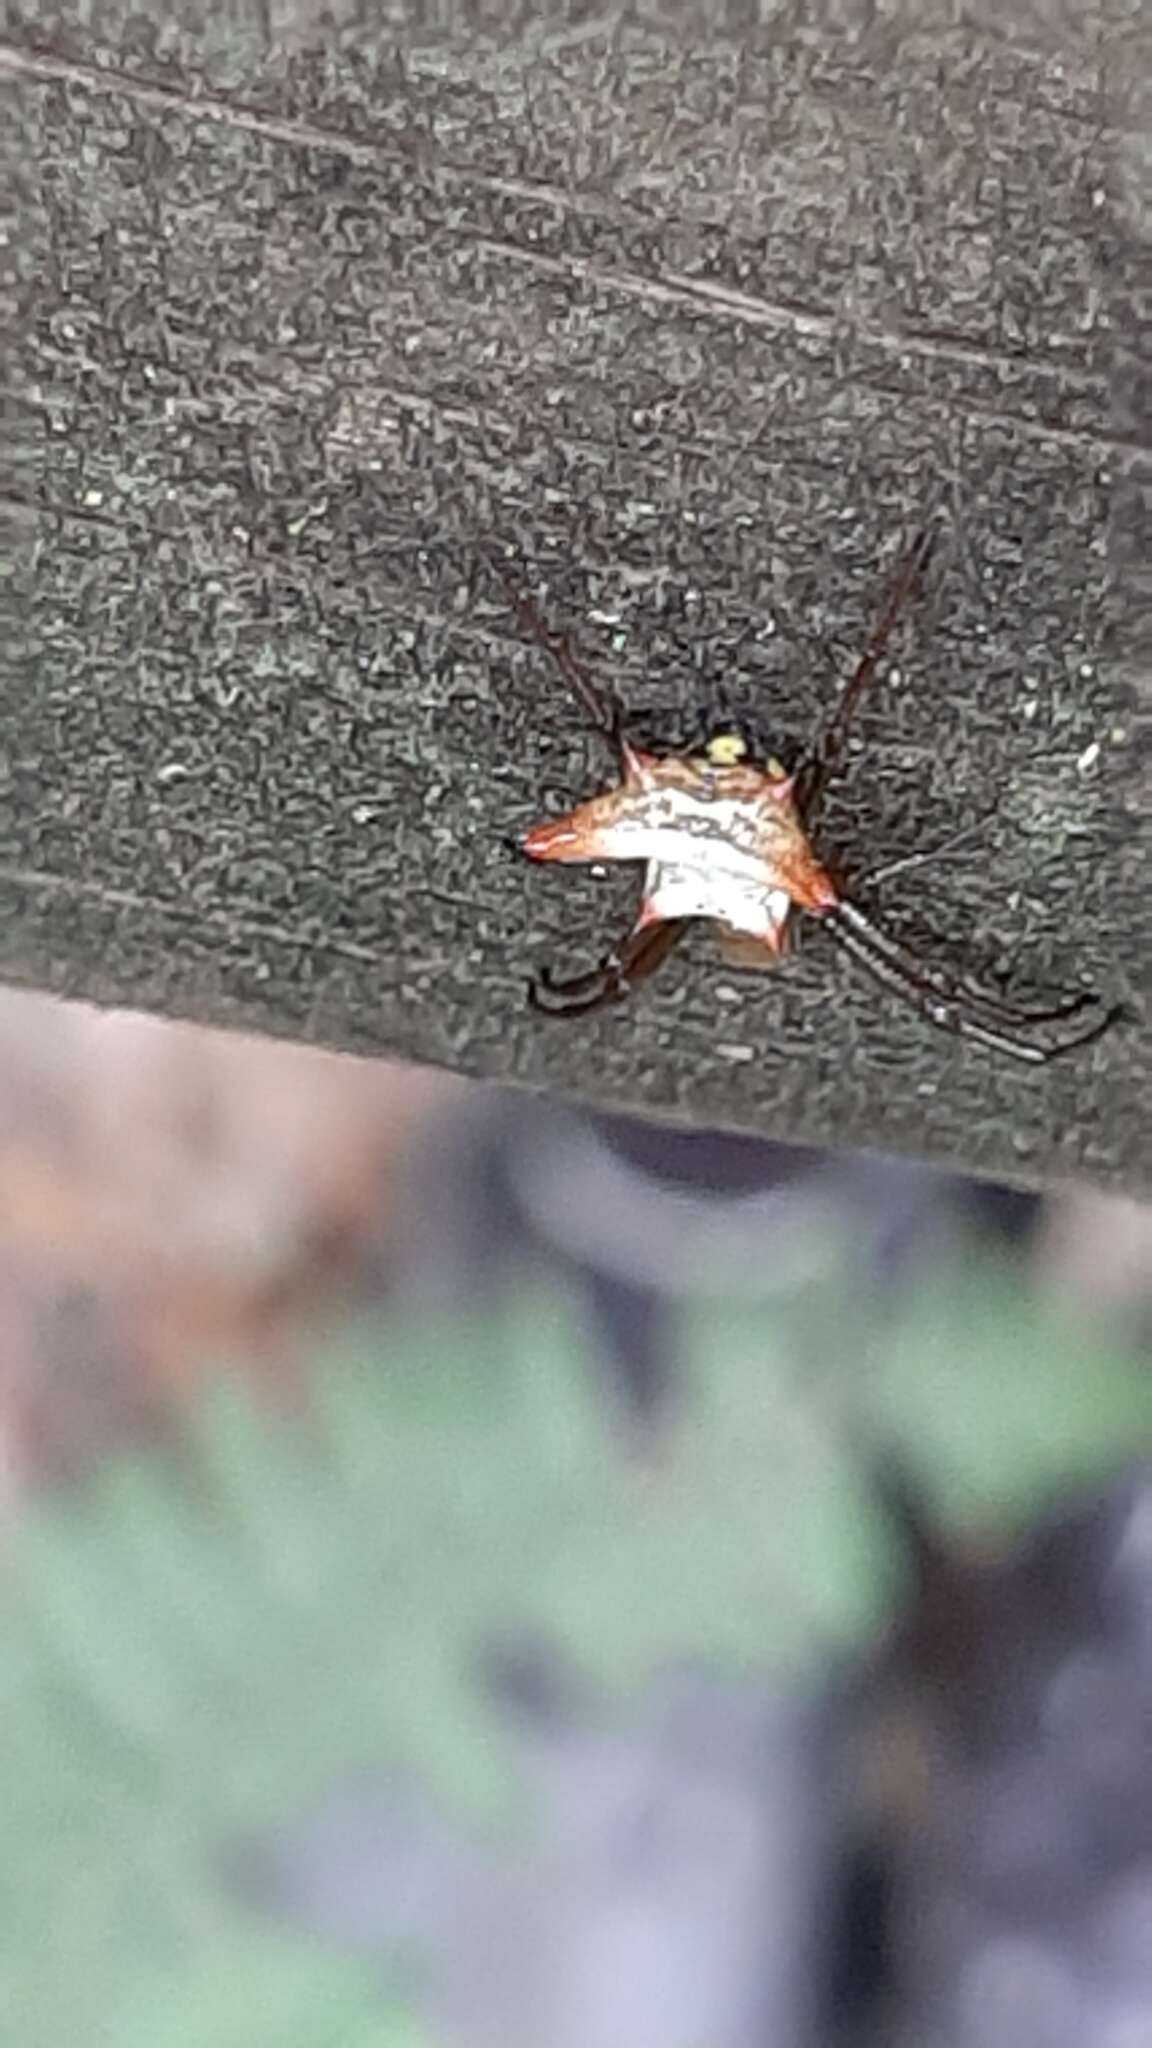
{"points": [[727, 838]]}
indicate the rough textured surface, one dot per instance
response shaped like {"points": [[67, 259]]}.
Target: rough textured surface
{"points": [[700, 322]]}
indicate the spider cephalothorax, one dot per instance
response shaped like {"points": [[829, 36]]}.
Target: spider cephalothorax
{"points": [[728, 840]]}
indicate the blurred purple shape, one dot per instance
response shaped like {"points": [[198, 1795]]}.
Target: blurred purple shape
{"points": [[663, 1893], [642, 1219]]}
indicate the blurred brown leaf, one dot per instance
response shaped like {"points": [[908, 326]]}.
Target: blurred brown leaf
{"points": [[171, 1197]]}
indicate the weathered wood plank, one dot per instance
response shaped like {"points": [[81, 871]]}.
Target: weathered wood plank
{"points": [[700, 325]]}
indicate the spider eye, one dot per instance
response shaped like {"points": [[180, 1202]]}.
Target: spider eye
{"points": [[726, 749]]}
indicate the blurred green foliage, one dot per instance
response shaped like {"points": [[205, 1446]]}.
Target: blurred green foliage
{"points": [[195, 1646]]}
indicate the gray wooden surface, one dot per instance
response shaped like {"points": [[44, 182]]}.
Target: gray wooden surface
{"points": [[700, 318]]}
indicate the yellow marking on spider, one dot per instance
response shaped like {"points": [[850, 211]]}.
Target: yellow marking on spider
{"points": [[726, 749]]}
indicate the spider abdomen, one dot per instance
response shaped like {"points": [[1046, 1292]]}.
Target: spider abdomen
{"points": [[725, 842], [745, 904]]}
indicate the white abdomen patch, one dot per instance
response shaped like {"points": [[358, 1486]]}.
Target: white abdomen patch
{"points": [[674, 889]]}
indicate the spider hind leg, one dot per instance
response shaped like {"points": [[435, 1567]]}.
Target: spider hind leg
{"points": [[955, 1005]]}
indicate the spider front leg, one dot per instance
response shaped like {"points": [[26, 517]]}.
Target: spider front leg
{"points": [[814, 774], [643, 951], [603, 710]]}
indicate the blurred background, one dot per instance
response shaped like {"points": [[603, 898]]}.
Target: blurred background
{"points": [[481, 1575]]}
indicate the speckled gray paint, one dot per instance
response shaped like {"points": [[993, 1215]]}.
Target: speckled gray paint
{"points": [[700, 326]]}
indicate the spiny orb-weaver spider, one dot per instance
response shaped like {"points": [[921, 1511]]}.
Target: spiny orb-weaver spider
{"points": [[727, 838]]}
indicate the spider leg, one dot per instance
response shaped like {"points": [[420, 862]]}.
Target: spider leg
{"points": [[944, 1014], [947, 1003], [813, 775], [645, 948], [957, 987], [943, 847], [601, 708]]}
